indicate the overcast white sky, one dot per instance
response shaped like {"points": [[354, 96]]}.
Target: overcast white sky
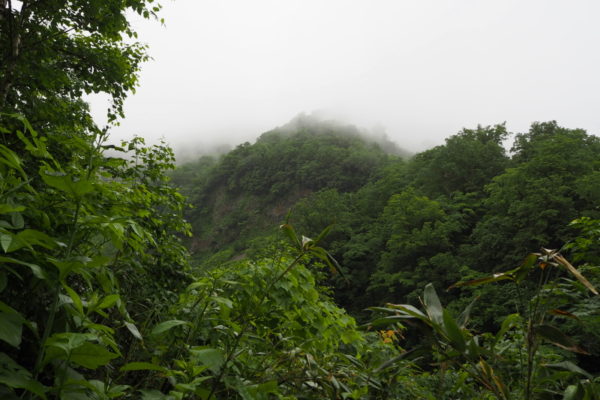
{"points": [[228, 70]]}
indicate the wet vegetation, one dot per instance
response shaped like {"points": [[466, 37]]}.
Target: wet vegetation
{"points": [[314, 263]]}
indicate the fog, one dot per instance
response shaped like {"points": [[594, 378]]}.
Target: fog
{"points": [[225, 71]]}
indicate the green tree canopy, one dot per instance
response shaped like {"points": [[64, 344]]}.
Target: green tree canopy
{"points": [[465, 163], [552, 183], [55, 51]]}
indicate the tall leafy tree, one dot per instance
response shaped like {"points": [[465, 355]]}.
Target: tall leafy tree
{"points": [[465, 163], [418, 249], [87, 249], [84, 235], [530, 205], [53, 51]]}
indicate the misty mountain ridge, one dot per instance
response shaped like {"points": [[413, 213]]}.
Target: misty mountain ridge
{"points": [[249, 190], [316, 123], [319, 124]]}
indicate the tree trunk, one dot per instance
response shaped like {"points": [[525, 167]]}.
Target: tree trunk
{"points": [[14, 46]]}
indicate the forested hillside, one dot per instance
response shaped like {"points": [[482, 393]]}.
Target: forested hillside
{"points": [[462, 272], [249, 191], [458, 210]]}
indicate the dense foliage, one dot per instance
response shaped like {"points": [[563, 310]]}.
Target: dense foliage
{"points": [[462, 208], [99, 298], [54, 51], [456, 212], [250, 190]]}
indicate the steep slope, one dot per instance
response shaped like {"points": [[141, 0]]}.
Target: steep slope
{"points": [[248, 191]]}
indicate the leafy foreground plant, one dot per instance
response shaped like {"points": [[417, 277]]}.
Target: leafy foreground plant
{"points": [[98, 301], [515, 362], [262, 329], [76, 227]]}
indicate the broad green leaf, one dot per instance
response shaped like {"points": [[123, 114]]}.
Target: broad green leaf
{"points": [[557, 337], [351, 336], [91, 355], [453, 332], [243, 391], [108, 301], [166, 325], [11, 325], [411, 311], [8, 208], [96, 262], [198, 284], [17, 377], [323, 234], [289, 231], [67, 341], [10, 159], [77, 348], [142, 366], [27, 238], [26, 124], [76, 384], [17, 221], [222, 301], [432, 304], [35, 146], [77, 187], [35, 269], [473, 349], [33, 237], [569, 366], [5, 241], [101, 328], [75, 297], [134, 330], [212, 358], [65, 268], [573, 392], [463, 318]]}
